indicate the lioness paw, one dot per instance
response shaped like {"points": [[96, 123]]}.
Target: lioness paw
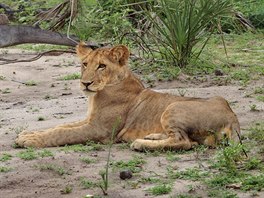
{"points": [[137, 145], [30, 140]]}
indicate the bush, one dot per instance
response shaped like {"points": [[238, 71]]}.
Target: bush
{"points": [[179, 25]]}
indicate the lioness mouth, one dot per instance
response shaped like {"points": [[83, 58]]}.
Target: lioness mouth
{"points": [[88, 90]]}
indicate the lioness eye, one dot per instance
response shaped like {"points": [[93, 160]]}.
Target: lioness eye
{"points": [[85, 65], [101, 66]]}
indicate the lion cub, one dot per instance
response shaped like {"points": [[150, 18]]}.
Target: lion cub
{"points": [[148, 119]]}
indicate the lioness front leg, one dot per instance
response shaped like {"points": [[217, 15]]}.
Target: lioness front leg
{"points": [[73, 124], [58, 136], [67, 125]]}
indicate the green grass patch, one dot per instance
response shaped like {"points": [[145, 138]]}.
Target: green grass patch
{"points": [[45, 153], [241, 75], [87, 160], [260, 98], [135, 165], [255, 182], [221, 193], [73, 76], [160, 189], [28, 154], [149, 180], [222, 179], [228, 157], [2, 77], [193, 174], [256, 132], [31, 83], [90, 146], [259, 90], [53, 167], [6, 91], [66, 190], [4, 169], [5, 157], [172, 157], [87, 184]]}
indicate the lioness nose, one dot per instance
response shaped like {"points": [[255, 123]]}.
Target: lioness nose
{"points": [[86, 84]]}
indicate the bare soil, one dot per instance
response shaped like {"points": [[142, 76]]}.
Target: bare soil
{"points": [[59, 101]]}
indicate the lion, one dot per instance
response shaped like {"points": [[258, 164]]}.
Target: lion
{"points": [[147, 119]]}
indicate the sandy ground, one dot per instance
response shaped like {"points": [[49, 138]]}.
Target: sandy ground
{"points": [[58, 102]]}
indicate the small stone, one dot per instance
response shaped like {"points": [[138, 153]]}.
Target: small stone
{"points": [[125, 174]]}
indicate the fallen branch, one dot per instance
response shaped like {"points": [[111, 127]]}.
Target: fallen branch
{"points": [[11, 35], [38, 56]]}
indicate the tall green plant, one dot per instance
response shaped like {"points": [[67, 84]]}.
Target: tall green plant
{"points": [[178, 25]]}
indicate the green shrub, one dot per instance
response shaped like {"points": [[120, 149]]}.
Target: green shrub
{"points": [[179, 25]]}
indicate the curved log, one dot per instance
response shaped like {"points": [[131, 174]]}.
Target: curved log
{"points": [[17, 34]]}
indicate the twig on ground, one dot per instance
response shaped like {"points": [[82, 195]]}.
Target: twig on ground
{"points": [[9, 61]]}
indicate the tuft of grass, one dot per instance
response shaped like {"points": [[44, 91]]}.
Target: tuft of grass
{"points": [[73, 76], [6, 91], [259, 90], [18, 129], [82, 148], [28, 154], [4, 169], [87, 184], [254, 163], [45, 153], [172, 157], [222, 179], [134, 165], [87, 160], [256, 132], [53, 167], [94, 146], [255, 182], [193, 174], [228, 157], [253, 107], [2, 77], [31, 83], [66, 190], [160, 189], [149, 180], [5, 157], [184, 195], [260, 98], [241, 75], [221, 193]]}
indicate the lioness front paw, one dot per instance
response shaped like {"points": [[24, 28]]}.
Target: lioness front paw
{"points": [[137, 145], [32, 139]]}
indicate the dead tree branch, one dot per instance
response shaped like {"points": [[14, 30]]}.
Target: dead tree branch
{"points": [[38, 56]]}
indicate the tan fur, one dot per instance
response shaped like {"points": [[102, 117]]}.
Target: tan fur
{"points": [[148, 119]]}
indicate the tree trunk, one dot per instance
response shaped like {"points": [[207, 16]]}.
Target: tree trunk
{"points": [[15, 35]]}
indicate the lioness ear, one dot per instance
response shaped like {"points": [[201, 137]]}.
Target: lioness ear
{"points": [[119, 54], [82, 50]]}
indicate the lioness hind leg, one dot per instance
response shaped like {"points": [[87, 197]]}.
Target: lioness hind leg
{"points": [[169, 143]]}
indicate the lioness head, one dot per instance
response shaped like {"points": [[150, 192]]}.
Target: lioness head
{"points": [[101, 67]]}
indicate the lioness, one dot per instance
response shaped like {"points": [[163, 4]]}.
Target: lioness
{"points": [[148, 119]]}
